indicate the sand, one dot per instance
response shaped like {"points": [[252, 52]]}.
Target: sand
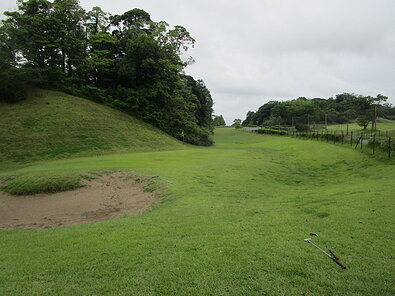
{"points": [[107, 197]]}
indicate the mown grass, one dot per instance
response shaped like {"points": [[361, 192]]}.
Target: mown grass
{"points": [[232, 223], [54, 125], [385, 127]]}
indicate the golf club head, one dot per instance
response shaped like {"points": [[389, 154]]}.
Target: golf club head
{"points": [[307, 240], [333, 254], [314, 234]]}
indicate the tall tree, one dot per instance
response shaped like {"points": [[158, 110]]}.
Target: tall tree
{"points": [[35, 32], [12, 87], [72, 43]]}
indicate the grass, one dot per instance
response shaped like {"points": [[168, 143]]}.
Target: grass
{"points": [[44, 182], [385, 127], [53, 125], [233, 223], [41, 183]]}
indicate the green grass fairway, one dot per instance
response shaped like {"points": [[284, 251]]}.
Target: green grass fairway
{"points": [[233, 223], [53, 125]]}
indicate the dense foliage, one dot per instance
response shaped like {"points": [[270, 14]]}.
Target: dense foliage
{"points": [[237, 123], [303, 112], [219, 120], [127, 61]]}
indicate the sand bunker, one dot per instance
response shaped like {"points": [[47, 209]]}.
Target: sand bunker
{"points": [[110, 196]]}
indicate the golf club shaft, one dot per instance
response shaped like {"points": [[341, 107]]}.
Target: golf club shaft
{"points": [[338, 263], [320, 249], [333, 258]]}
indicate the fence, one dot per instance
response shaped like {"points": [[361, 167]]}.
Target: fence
{"points": [[372, 143]]}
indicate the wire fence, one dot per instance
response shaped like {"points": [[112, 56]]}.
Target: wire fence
{"points": [[379, 144]]}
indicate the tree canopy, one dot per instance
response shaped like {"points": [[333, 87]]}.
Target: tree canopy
{"points": [[127, 61], [301, 112], [219, 120]]}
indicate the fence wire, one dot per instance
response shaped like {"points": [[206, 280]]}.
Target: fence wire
{"points": [[375, 143]]}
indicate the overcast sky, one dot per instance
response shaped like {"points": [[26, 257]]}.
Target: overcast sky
{"points": [[251, 51]]}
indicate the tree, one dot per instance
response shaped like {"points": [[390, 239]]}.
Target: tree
{"points": [[264, 113], [100, 61], [301, 112], [135, 19], [72, 43], [363, 120], [127, 61], [149, 63], [219, 121], [97, 21], [237, 123], [250, 119], [376, 104], [12, 86], [35, 33], [204, 102], [49, 37]]}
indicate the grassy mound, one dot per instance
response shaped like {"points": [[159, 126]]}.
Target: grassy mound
{"points": [[52, 125]]}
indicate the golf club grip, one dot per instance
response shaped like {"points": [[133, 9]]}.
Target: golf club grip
{"points": [[338, 263]]}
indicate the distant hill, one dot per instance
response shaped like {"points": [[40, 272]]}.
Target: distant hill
{"points": [[51, 125]]}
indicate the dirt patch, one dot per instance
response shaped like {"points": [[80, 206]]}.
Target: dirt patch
{"points": [[110, 196]]}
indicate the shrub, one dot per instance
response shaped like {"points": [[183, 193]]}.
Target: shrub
{"points": [[12, 89], [271, 131], [301, 127]]}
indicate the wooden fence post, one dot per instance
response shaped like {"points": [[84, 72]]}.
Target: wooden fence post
{"points": [[374, 143], [361, 139]]}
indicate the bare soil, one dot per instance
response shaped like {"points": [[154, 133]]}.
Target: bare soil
{"points": [[107, 197]]}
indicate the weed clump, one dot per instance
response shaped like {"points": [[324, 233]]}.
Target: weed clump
{"points": [[34, 184]]}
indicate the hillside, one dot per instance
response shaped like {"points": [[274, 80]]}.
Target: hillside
{"points": [[53, 125]]}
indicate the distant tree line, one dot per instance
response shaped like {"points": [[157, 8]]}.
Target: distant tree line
{"points": [[127, 61], [303, 112]]}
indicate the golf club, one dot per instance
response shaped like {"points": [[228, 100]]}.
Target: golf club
{"points": [[332, 255]]}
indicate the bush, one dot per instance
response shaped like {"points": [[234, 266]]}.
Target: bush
{"points": [[95, 94], [270, 131], [301, 127], [381, 144], [12, 89]]}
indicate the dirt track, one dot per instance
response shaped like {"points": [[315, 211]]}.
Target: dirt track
{"points": [[111, 196]]}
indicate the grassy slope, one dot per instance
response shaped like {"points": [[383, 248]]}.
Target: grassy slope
{"points": [[52, 125], [232, 224]]}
